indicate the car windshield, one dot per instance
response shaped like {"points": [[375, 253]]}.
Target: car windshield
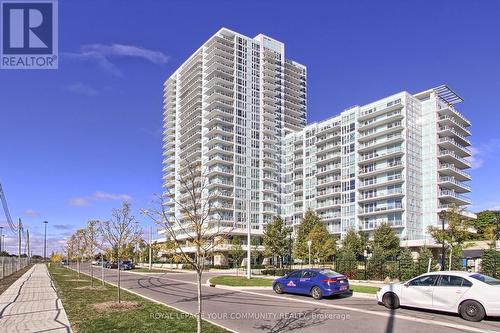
{"points": [[486, 279], [329, 272]]}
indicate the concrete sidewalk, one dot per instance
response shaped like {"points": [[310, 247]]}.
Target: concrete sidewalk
{"points": [[31, 304]]}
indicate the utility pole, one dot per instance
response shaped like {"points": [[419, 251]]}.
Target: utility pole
{"points": [[28, 242], [1, 236], [309, 243], [150, 246], [249, 249], [443, 251], [45, 242], [19, 233]]}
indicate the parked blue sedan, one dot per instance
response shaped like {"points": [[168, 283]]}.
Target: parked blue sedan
{"points": [[317, 282]]}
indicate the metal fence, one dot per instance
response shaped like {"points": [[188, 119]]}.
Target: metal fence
{"points": [[9, 265]]}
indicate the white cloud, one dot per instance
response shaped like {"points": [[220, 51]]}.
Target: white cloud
{"points": [[109, 196], [78, 201], [483, 152], [82, 89], [101, 54], [475, 158], [31, 213], [98, 196]]}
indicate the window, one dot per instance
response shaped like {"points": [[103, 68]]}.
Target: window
{"points": [[424, 281], [294, 275], [453, 281], [329, 272], [486, 279], [309, 274]]}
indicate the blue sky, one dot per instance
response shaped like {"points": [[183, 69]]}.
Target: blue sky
{"points": [[78, 140]]}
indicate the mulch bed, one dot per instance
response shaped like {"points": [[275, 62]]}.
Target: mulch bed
{"points": [[10, 279], [115, 306]]}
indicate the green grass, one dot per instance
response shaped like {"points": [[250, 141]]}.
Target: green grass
{"points": [[149, 317], [363, 289], [241, 281]]}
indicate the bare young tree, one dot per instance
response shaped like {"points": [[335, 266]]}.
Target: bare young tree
{"points": [[79, 247], [120, 231], [199, 224], [90, 236]]}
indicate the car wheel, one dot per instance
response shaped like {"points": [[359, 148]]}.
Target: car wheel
{"points": [[316, 293], [278, 288], [472, 311], [390, 300]]}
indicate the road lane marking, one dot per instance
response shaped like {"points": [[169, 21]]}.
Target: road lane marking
{"points": [[347, 308], [342, 307]]}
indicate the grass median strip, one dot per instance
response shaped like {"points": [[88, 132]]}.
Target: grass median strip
{"points": [[363, 289], [242, 281], [86, 315]]}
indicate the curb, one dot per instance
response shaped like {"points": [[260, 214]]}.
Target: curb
{"points": [[159, 302], [221, 286]]}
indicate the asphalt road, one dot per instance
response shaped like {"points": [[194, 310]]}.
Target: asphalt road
{"points": [[264, 311]]}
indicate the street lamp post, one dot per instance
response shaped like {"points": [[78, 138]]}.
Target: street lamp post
{"points": [[1, 235], [443, 251], [249, 248], [309, 243], [45, 242]]}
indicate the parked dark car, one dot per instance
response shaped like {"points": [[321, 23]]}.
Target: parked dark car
{"points": [[127, 264], [110, 264]]}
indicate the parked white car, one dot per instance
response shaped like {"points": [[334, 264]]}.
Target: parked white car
{"points": [[472, 295]]}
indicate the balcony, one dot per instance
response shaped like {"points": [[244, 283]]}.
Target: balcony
{"points": [[449, 169], [374, 210], [383, 194], [378, 131], [381, 141], [450, 196], [454, 184], [377, 182], [329, 181], [371, 171], [449, 110], [328, 204], [451, 121], [326, 158], [379, 110], [375, 156], [452, 132], [452, 144], [450, 156], [380, 120], [372, 225], [321, 194]]}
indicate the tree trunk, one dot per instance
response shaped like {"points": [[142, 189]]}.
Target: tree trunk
{"points": [[119, 281], [198, 315], [91, 275], [78, 267]]}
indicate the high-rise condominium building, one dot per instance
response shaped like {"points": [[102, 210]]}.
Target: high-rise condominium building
{"points": [[399, 160], [229, 106], [238, 106]]}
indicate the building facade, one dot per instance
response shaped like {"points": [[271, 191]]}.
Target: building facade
{"points": [[229, 107], [238, 107], [399, 160]]}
